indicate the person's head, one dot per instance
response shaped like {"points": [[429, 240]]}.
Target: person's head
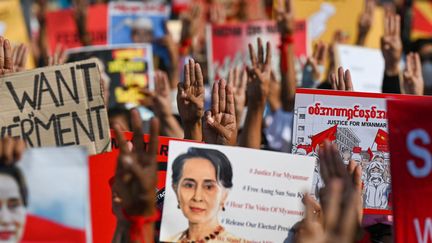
{"points": [[142, 30], [13, 202], [121, 116], [346, 154], [201, 179]]}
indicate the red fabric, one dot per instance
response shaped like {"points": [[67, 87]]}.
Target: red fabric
{"points": [[41, 230], [329, 134], [356, 150], [410, 140], [369, 151], [381, 137]]}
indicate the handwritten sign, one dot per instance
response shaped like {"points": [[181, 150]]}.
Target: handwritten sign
{"points": [[56, 106]]}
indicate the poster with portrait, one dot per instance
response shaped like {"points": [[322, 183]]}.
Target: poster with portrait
{"points": [[102, 168], [127, 69], [357, 123], [55, 206], [234, 193], [411, 161], [140, 22], [227, 45], [367, 72]]}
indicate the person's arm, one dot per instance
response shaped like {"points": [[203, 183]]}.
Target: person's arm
{"points": [[365, 22], [174, 54], [391, 48], [80, 15], [286, 25], [135, 182], [162, 107], [257, 93], [190, 101]]}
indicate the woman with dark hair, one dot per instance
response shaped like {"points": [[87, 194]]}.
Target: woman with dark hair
{"points": [[13, 202], [201, 179]]}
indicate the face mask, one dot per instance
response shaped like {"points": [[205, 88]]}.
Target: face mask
{"points": [[427, 73], [375, 174]]}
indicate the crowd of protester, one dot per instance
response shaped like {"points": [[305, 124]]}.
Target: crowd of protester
{"points": [[248, 108]]}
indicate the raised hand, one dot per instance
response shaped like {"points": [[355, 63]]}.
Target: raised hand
{"points": [[59, 57], [11, 150], [339, 221], [259, 75], [190, 100], [342, 81], [238, 80], [391, 44], [6, 62], [220, 122], [365, 21], [19, 57], [412, 76], [317, 61], [285, 18], [135, 178]]}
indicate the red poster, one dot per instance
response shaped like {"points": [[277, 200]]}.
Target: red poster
{"points": [[228, 44], [61, 27], [410, 139], [102, 168]]}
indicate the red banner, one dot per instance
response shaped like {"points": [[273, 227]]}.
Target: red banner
{"points": [[102, 168], [411, 169], [61, 27]]}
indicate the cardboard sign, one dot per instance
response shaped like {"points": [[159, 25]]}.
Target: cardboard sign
{"points": [[258, 199], [357, 123], [227, 45], [410, 147], [421, 25], [102, 168], [129, 68], [56, 106], [58, 196], [66, 33], [367, 72], [326, 17]]}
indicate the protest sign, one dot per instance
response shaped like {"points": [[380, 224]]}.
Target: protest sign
{"points": [[129, 68], [66, 33], [140, 22], [326, 17], [12, 25], [56, 106], [102, 169], [227, 44], [367, 72], [57, 183], [357, 123], [421, 25], [136, 22], [410, 147], [256, 197]]}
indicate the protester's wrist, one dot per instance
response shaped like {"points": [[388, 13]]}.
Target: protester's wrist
{"points": [[193, 131], [392, 70]]}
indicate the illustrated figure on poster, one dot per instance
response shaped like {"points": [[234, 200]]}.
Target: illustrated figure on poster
{"points": [[376, 188], [202, 179], [346, 156], [13, 202], [142, 30]]}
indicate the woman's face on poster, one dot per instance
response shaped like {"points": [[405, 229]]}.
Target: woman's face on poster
{"points": [[12, 210], [199, 194]]}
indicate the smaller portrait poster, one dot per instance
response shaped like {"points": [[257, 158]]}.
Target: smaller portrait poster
{"points": [[57, 200], [357, 123], [234, 194]]}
